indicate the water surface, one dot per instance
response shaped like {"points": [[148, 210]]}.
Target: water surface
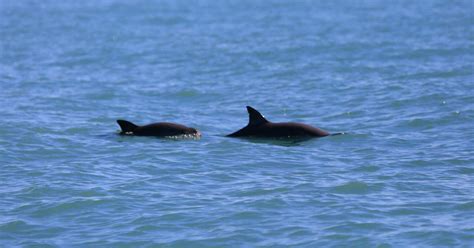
{"points": [[396, 77]]}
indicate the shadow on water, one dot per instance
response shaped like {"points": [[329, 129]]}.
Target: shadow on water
{"points": [[281, 141], [161, 138], [287, 141], [123, 137]]}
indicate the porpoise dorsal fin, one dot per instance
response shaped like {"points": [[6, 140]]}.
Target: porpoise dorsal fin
{"points": [[126, 126], [255, 118]]}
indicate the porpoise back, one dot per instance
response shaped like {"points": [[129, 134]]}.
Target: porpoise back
{"points": [[159, 129], [258, 126]]}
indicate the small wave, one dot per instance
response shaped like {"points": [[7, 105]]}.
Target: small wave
{"points": [[354, 188], [21, 227], [466, 206], [67, 207], [466, 170], [401, 211], [14, 226], [261, 192], [188, 93], [357, 225], [367, 168], [246, 215]]}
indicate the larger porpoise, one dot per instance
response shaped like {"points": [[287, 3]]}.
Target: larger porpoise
{"points": [[258, 126]]}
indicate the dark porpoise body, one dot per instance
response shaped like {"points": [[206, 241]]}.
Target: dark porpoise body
{"points": [[258, 126], [160, 129]]}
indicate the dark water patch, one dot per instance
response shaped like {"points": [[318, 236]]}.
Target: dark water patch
{"points": [[247, 215], [367, 168], [465, 170], [74, 206], [299, 232], [337, 237], [13, 226], [38, 244], [415, 211], [437, 74], [437, 237], [261, 192], [348, 240], [24, 229], [359, 226], [356, 187], [468, 206], [93, 192], [284, 142], [34, 192]]}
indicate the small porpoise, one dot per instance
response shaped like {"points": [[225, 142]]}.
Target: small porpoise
{"points": [[258, 126], [159, 129]]}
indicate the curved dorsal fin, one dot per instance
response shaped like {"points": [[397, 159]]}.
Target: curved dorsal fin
{"points": [[255, 118], [126, 126]]}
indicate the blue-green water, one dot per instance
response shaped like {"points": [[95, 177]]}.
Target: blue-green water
{"points": [[396, 76]]}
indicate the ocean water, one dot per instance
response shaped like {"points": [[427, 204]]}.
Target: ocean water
{"points": [[395, 76]]}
